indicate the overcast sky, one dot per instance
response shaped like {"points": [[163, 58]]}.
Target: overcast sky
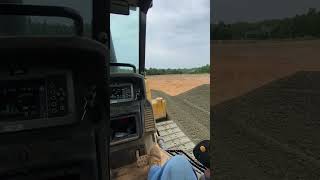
{"points": [[178, 34], [231, 11]]}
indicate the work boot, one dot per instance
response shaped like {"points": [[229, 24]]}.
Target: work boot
{"points": [[155, 156]]}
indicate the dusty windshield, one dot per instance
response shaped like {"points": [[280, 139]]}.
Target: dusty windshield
{"points": [[125, 39], [35, 25]]}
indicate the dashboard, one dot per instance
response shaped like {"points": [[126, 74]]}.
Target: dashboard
{"points": [[33, 98], [121, 92], [53, 118], [127, 101], [39, 100], [126, 89], [126, 95]]}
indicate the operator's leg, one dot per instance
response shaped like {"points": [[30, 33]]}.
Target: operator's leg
{"points": [[178, 167]]}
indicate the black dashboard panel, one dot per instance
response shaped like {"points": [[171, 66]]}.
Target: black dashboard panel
{"points": [[23, 99], [126, 96], [29, 99], [126, 87], [121, 92], [53, 113], [36, 100], [127, 118]]}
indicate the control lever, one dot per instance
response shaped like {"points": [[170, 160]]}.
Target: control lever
{"points": [[89, 101]]}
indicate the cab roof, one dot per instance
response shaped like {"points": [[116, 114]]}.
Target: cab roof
{"points": [[144, 5]]}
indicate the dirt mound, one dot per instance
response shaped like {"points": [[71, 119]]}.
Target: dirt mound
{"points": [[271, 132], [190, 111], [264, 128], [199, 96]]}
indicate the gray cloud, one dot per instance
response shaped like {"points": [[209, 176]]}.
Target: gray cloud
{"points": [[178, 34]]}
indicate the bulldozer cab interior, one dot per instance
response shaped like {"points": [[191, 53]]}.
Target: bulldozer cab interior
{"points": [[54, 115], [131, 117], [63, 115], [132, 123]]}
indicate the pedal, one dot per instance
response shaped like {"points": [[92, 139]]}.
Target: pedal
{"points": [[161, 143], [142, 160]]}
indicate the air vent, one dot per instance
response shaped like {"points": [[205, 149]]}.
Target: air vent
{"points": [[149, 122]]}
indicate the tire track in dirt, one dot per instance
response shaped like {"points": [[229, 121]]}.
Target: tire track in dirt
{"points": [[196, 107], [242, 152], [199, 99]]}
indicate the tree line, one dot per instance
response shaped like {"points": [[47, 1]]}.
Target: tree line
{"points": [[198, 70], [300, 26]]}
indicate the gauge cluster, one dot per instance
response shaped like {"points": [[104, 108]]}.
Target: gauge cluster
{"points": [[33, 98], [126, 90], [127, 94], [121, 93], [36, 100]]}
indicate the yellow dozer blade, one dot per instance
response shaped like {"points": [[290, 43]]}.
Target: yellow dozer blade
{"points": [[159, 105]]}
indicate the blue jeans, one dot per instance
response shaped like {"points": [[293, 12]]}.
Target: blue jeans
{"points": [[176, 168]]}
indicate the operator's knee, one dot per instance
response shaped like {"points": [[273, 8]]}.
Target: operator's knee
{"points": [[178, 167], [179, 159], [154, 172], [178, 163]]}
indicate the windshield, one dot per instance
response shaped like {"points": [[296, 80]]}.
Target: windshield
{"points": [[35, 25], [125, 38]]}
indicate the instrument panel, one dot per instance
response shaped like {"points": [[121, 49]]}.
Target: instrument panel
{"points": [[39, 100], [33, 98], [126, 90], [121, 92], [126, 97]]}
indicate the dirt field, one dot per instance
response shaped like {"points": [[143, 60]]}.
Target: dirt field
{"points": [[188, 102], [241, 67], [265, 113], [177, 84]]}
